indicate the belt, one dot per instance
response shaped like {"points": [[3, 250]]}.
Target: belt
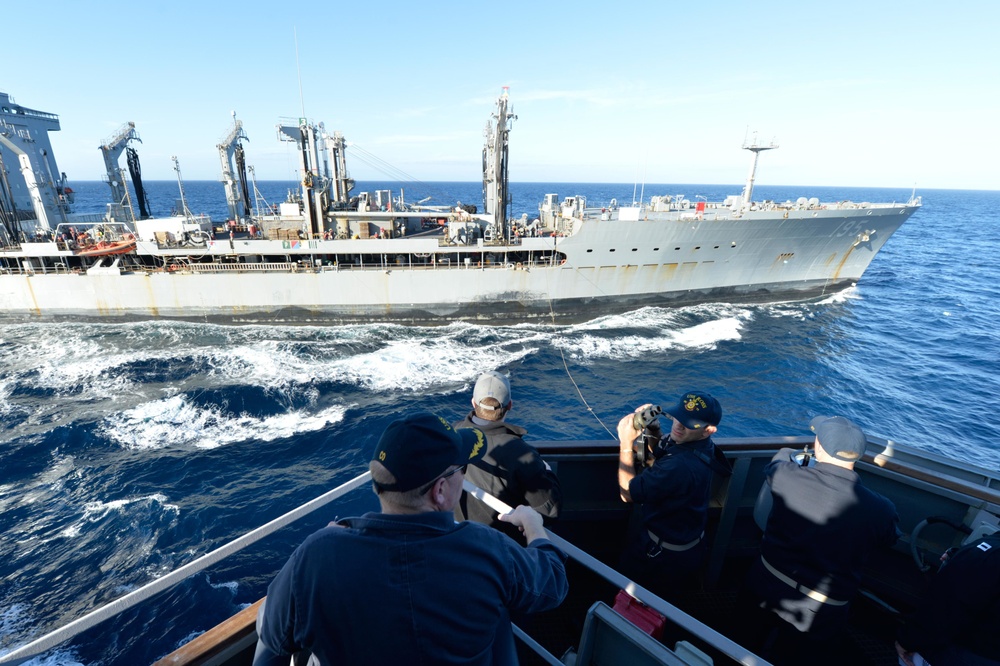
{"points": [[812, 594], [672, 546]]}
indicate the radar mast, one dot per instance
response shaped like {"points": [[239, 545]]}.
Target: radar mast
{"points": [[756, 149]]}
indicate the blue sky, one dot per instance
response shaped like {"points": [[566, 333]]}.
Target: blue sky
{"points": [[882, 94]]}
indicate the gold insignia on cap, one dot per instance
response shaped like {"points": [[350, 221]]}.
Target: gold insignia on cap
{"points": [[447, 426], [381, 455], [693, 402]]}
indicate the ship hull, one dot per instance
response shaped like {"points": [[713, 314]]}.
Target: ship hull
{"points": [[609, 266]]}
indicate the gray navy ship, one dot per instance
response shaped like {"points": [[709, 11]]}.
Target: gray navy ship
{"points": [[328, 256]]}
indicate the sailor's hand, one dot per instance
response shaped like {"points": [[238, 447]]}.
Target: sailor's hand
{"points": [[626, 430], [905, 656], [527, 520]]}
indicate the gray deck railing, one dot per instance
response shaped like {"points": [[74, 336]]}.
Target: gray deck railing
{"points": [[74, 628], [106, 612]]}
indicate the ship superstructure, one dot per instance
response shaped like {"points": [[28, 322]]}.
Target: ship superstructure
{"points": [[34, 196]]}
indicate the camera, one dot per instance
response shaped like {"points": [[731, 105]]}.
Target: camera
{"points": [[644, 421]]}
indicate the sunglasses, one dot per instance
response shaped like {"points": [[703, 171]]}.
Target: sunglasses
{"points": [[429, 485]]}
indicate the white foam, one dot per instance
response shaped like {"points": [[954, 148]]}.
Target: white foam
{"points": [[849, 294], [705, 335], [95, 512], [88, 366], [175, 421], [232, 586], [6, 390], [15, 621], [407, 366]]}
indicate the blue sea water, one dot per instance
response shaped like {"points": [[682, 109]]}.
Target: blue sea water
{"points": [[127, 450]]}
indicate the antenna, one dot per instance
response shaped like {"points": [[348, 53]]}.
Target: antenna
{"points": [[635, 183], [298, 71], [645, 165]]}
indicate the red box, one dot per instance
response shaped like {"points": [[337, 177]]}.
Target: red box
{"points": [[639, 614]]}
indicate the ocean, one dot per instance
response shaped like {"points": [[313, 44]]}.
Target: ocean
{"points": [[127, 450]]}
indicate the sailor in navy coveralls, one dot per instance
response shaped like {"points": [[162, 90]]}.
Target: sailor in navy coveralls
{"points": [[957, 622], [822, 526], [666, 545], [409, 585]]}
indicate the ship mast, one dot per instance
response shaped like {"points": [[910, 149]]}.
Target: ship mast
{"points": [[185, 211], [756, 149], [495, 176]]}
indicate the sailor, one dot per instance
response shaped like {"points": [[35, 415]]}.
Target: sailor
{"points": [[510, 469], [822, 526], [410, 585], [666, 546], [956, 622]]}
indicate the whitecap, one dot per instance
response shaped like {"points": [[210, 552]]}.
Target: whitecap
{"points": [[851, 293], [705, 335], [97, 511], [232, 586], [407, 366], [175, 421]]}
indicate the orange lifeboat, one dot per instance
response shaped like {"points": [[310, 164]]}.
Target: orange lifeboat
{"points": [[105, 248]]}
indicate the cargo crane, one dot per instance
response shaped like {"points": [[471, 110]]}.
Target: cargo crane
{"points": [[496, 196], [322, 191], [234, 172], [342, 181], [112, 149], [315, 171]]}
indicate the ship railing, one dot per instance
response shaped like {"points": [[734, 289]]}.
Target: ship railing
{"points": [[47, 642], [964, 483], [692, 626], [87, 218], [674, 615], [260, 267], [31, 113], [442, 263]]}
